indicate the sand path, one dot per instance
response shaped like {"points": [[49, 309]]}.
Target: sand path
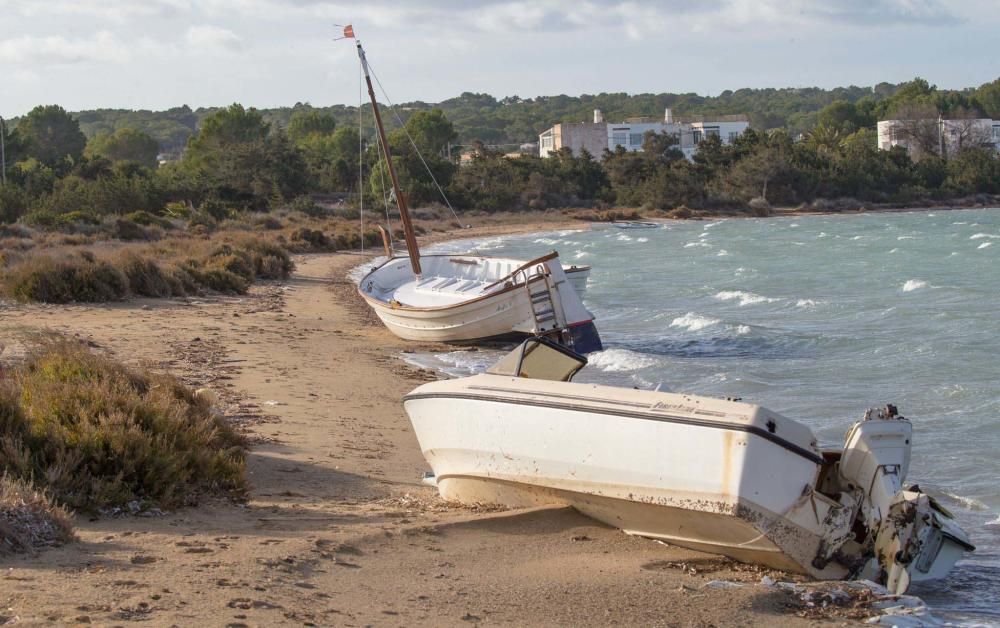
{"points": [[337, 529]]}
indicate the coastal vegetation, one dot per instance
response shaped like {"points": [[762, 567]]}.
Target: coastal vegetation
{"points": [[81, 430]]}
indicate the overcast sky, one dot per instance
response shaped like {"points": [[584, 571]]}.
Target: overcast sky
{"points": [[85, 54]]}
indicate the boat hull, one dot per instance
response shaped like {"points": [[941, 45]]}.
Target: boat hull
{"points": [[713, 485]]}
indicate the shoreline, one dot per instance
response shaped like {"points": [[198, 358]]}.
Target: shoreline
{"points": [[337, 527]]}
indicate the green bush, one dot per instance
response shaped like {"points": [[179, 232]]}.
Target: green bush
{"points": [[99, 435], [307, 206], [147, 219], [75, 279]]}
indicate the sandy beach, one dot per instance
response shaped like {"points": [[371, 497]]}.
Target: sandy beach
{"points": [[337, 528]]}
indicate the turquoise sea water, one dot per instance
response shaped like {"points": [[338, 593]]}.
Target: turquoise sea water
{"points": [[818, 318]]}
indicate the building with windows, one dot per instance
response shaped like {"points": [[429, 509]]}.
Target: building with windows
{"points": [[939, 137], [595, 136]]}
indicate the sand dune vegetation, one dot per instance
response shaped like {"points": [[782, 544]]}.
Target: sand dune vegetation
{"points": [[96, 437]]}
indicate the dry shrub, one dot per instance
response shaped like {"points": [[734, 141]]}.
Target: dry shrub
{"points": [[146, 278], [215, 277], [29, 520], [78, 278], [680, 213], [266, 222], [269, 260], [306, 239], [98, 435]]}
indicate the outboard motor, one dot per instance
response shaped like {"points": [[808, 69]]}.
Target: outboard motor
{"points": [[914, 537]]}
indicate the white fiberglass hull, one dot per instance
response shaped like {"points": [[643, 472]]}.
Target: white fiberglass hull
{"points": [[464, 298], [695, 472]]}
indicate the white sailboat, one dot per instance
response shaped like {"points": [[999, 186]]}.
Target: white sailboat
{"points": [[468, 298], [714, 475]]}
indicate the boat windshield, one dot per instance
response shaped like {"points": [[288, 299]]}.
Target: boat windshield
{"points": [[538, 358]]}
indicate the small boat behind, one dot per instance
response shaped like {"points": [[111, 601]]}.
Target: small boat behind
{"points": [[715, 475], [635, 224]]}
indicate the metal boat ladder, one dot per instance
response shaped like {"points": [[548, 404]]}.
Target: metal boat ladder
{"points": [[546, 309]]}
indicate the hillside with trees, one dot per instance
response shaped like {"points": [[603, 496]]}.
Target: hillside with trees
{"points": [[67, 169], [515, 120]]}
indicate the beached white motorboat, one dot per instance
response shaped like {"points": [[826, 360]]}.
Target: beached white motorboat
{"points": [[471, 298], [715, 475]]}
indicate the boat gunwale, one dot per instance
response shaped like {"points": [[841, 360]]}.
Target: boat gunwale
{"points": [[634, 414], [443, 308]]}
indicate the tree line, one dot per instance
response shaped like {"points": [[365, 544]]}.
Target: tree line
{"points": [[239, 160], [515, 120]]}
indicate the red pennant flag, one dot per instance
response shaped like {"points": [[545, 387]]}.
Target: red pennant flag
{"points": [[349, 31]]}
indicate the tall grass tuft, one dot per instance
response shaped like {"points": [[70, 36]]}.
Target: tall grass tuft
{"points": [[98, 435]]}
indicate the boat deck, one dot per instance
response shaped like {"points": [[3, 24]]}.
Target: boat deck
{"points": [[437, 291]]}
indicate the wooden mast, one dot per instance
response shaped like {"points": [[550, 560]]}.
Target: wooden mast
{"points": [[404, 212]]}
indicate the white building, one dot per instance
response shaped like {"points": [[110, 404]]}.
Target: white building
{"points": [[597, 135], [929, 136]]}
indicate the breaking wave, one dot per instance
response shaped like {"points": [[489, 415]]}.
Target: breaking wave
{"points": [[984, 245], [691, 244], [693, 322], [619, 361], [980, 236], [969, 503], [805, 303], [914, 284], [745, 298]]}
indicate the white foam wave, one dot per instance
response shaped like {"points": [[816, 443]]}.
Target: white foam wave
{"points": [[703, 235], [893, 250], [722, 253], [970, 503], [623, 238], [914, 284], [805, 303], [907, 238], [743, 330], [822, 234], [980, 236], [545, 241], [984, 245], [994, 523], [745, 298], [581, 255], [619, 361], [693, 322], [713, 224], [691, 244], [642, 239]]}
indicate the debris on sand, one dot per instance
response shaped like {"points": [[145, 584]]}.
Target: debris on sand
{"points": [[29, 520]]}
